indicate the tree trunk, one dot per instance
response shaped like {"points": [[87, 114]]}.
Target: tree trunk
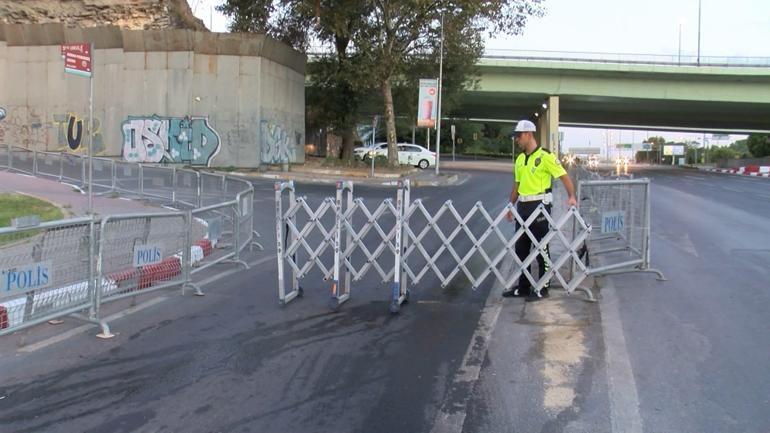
{"points": [[390, 118], [347, 144]]}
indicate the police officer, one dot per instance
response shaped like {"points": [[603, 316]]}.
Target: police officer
{"points": [[533, 171]]}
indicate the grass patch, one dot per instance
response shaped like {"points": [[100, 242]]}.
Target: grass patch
{"points": [[16, 205]]}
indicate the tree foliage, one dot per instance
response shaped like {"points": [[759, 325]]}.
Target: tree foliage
{"points": [[759, 145], [385, 45]]}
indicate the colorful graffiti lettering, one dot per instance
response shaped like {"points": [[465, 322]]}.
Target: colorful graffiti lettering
{"points": [[73, 129], [276, 147], [169, 139]]}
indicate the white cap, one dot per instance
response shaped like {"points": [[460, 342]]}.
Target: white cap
{"points": [[525, 126]]}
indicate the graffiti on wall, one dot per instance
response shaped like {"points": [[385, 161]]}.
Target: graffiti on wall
{"points": [[278, 145], [186, 139], [73, 133], [23, 127]]}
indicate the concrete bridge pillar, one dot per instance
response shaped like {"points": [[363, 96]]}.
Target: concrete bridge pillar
{"points": [[542, 130], [552, 125]]}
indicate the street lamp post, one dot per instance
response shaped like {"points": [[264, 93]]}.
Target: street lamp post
{"points": [[440, 79], [699, 15], [680, 45]]}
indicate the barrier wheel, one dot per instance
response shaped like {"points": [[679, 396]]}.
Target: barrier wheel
{"points": [[300, 292], [406, 296], [394, 308], [334, 304]]}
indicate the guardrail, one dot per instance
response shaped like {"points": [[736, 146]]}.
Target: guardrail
{"points": [[628, 58], [65, 267]]}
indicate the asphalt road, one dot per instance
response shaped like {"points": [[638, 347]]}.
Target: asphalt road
{"points": [[698, 343], [688, 354]]}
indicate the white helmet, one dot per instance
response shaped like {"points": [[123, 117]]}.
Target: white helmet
{"points": [[525, 126]]}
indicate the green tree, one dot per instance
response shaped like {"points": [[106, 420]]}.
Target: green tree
{"points": [[721, 153], [399, 31], [759, 145], [336, 81], [383, 44]]}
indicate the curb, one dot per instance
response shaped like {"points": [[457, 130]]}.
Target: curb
{"points": [[450, 180]]}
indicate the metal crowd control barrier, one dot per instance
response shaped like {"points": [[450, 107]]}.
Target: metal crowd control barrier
{"points": [[620, 210], [405, 241], [44, 273], [46, 267], [141, 252]]}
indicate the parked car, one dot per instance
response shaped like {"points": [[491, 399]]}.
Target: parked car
{"points": [[415, 155], [363, 151], [408, 154]]}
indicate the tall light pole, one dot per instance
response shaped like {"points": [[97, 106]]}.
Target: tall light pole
{"points": [[440, 78], [680, 44], [699, 8]]}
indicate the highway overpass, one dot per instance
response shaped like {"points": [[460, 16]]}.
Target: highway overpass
{"points": [[620, 95]]}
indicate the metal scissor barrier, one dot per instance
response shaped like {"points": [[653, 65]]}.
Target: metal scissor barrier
{"points": [[404, 241]]}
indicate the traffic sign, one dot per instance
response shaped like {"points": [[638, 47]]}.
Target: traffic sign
{"points": [[623, 146], [585, 150], [77, 59]]}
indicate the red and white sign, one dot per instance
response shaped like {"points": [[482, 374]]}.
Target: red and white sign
{"points": [[77, 59]]}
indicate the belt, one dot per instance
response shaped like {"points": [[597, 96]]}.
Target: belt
{"points": [[546, 198]]}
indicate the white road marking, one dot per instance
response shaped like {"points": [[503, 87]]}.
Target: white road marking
{"points": [[623, 395], [451, 417]]}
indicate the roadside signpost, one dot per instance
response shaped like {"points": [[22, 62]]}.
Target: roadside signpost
{"points": [[78, 60]]}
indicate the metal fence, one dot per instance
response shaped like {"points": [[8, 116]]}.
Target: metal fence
{"points": [[46, 270], [404, 241], [141, 252], [619, 211]]}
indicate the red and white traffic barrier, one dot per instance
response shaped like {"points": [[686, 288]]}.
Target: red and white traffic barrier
{"points": [[756, 171], [3, 318]]}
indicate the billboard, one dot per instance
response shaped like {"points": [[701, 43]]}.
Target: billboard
{"points": [[671, 150], [427, 103]]}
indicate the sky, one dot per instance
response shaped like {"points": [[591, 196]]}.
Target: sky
{"points": [[735, 28]]}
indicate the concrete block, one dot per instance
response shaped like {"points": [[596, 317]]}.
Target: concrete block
{"points": [[156, 60], [111, 56], [178, 91], [134, 61], [179, 59]]}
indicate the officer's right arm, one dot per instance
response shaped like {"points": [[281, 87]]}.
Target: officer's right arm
{"points": [[515, 192], [514, 197]]}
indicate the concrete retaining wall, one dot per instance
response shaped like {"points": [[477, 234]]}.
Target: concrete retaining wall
{"points": [[182, 96]]}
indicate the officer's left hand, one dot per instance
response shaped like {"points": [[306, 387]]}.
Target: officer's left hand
{"points": [[571, 201]]}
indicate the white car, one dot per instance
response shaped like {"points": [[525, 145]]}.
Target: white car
{"points": [[408, 154], [361, 152], [418, 156]]}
